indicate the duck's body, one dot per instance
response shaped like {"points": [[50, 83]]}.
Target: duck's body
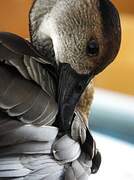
{"points": [[49, 82], [28, 109]]}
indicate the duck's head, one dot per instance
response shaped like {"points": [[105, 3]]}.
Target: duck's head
{"points": [[85, 37]]}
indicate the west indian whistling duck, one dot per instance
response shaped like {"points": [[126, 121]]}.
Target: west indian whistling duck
{"points": [[46, 89]]}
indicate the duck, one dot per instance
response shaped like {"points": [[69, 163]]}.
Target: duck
{"points": [[46, 88]]}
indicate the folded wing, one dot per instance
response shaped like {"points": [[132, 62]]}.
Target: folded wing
{"points": [[27, 90]]}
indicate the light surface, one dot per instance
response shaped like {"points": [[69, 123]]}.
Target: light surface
{"points": [[117, 159], [113, 114]]}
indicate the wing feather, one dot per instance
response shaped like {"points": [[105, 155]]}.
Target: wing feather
{"points": [[20, 53], [24, 99], [8, 124]]}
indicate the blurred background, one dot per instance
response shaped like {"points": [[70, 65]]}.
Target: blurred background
{"points": [[112, 117]]}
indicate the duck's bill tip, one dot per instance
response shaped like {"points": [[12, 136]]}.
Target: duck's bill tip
{"points": [[96, 162]]}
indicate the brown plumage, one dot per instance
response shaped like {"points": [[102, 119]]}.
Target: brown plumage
{"points": [[85, 101]]}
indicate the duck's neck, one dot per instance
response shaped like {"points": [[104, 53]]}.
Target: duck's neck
{"points": [[37, 15]]}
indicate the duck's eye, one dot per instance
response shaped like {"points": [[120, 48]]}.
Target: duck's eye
{"points": [[92, 48]]}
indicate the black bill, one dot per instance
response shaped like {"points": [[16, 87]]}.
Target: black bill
{"points": [[71, 87]]}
